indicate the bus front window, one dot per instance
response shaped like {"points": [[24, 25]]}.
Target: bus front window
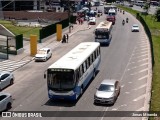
{"points": [[101, 35], [60, 80]]}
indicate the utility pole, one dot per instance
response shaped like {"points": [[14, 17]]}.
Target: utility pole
{"points": [[69, 16]]}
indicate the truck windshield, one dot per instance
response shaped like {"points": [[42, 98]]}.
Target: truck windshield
{"points": [[61, 80]]}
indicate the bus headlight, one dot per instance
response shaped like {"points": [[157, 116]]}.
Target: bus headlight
{"points": [[71, 93], [50, 92]]}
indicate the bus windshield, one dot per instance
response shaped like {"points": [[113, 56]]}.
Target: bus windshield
{"points": [[103, 34], [60, 79]]}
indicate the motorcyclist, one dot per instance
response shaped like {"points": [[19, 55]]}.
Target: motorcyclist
{"points": [[123, 22], [127, 20], [123, 12]]}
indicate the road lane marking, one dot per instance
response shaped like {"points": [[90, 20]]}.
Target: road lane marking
{"points": [[127, 92], [139, 71], [141, 52], [139, 98], [144, 48], [138, 66], [140, 109], [142, 86], [143, 77], [104, 113], [139, 61], [140, 56], [129, 82]]}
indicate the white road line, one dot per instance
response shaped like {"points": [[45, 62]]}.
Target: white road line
{"points": [[141, 52], [142, 86], [142, 59], [104, 113], [129, 82], [127, 92], [140, 109], [139, 98], [127, 64], [144, 48], [140, 56], [143, 77], [138, 66], [139, 71], [139, 61]]}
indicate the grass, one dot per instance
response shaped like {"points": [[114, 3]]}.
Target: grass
{"points": [[16, 30], [154, 27]]}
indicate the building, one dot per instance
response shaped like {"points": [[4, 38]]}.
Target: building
{"points": [[52, 5]]}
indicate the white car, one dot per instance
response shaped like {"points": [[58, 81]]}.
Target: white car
{"points": [[135, 28], [6, 79], [92, 21], [5, 101], [43, 54]]}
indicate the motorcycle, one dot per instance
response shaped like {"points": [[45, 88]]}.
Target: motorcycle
{"points": [[123, 22], [126, 20]]}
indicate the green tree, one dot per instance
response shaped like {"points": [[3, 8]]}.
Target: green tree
{"points": [[146, 8], [157, 14]]}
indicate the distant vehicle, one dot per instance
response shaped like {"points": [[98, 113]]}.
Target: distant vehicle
{"points": [[112, 12], [5, 101], [140, 3], [130, 5], [81, 13], [6, 79], [43, 54], [100, 12], [103, 32], [106, 8], [68, 77], [101, 4], [92, 21], [154, 3], [108, 92], [135, 28], [111, 18]]}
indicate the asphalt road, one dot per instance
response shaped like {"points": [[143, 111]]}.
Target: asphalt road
{"points": [[125, 59]]}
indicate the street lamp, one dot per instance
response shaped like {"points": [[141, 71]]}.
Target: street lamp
{"points": [[69, 16]]}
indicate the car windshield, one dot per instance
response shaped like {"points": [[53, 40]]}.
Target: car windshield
{"points": [[107, 88], [41, 52], [135, 25]]}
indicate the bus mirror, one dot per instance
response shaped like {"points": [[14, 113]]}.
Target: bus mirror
{"points": [[44, 76]]}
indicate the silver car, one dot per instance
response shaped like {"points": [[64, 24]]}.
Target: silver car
{"points": [[107, 92], [5, 101], [135, 28], [6, 79], [43, 54]]}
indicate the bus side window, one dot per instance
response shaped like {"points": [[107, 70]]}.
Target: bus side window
{"points": [[93, 57], [84, 67], [81, 70]]}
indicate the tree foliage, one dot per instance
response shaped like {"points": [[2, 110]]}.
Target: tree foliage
{"points": [[157, 14]]}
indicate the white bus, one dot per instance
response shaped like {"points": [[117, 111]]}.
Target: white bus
{"points": [[68, 76], [103, 33]]}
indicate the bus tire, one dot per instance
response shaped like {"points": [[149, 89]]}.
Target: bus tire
{"points": [[81, 90], [94, 73]]}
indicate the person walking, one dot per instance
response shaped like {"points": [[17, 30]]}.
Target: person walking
{"points": [[67, 37], [64, 39]]}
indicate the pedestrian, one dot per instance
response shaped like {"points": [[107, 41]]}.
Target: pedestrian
{"points": [[64, 39], [67, 37]]}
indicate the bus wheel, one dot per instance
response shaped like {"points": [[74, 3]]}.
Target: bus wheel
{"points": [[94, 73], [81, 91]]}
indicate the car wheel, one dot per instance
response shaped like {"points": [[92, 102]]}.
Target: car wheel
{"points": [[9, 106], [11, 82], [94, 73]]}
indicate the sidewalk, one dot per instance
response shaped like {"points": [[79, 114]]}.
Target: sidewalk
{"points": [[49, 41]]}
